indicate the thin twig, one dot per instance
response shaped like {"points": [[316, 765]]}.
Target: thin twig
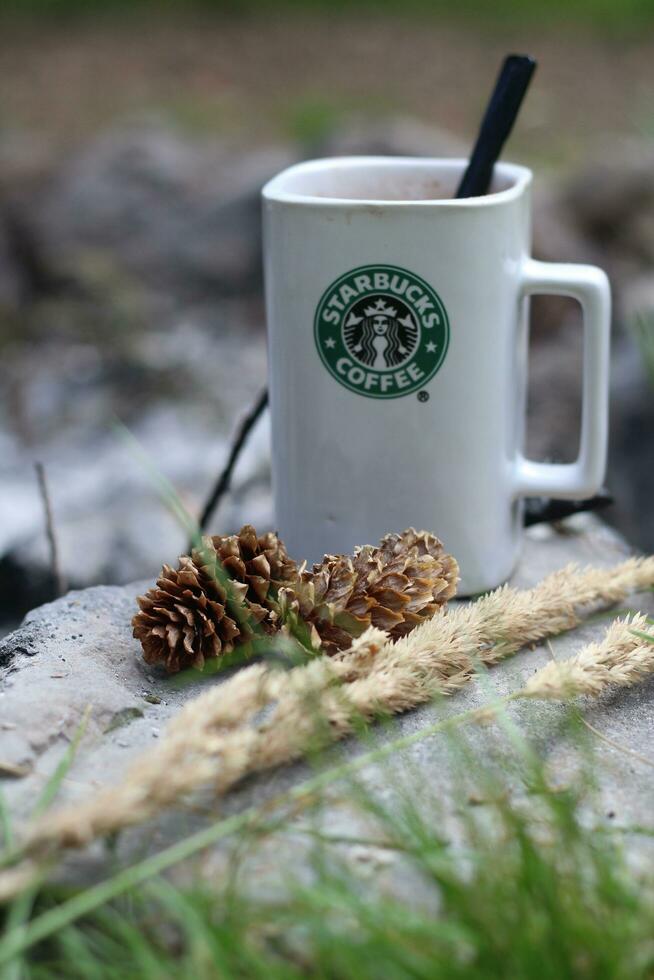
{"points": [[616, 745], [240, 438], [605, 738], [57, 573]]}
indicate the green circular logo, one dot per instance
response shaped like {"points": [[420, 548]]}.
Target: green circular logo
{"points": [[381, 331]]}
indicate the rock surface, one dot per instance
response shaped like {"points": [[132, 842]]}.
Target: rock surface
{"points": [[78, 653]]}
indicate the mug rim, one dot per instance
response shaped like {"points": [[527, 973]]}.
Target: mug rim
{"points": [[277, 189]]}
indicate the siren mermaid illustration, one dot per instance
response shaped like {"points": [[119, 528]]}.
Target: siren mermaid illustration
{"points": [[380, 338]]}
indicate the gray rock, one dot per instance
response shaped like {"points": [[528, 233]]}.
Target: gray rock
{"points": [[638, 297], [65, 657], [113, 525], [608, 194], [631, 475], [181, 216], [400, 136], [78, 652], [11, 280], [180, 389], [557, 234], [611, 203]]}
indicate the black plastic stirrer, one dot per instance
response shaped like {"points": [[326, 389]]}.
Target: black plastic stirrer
{"points": [[501, 112]]}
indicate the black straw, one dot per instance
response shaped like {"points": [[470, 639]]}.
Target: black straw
{"points": [[501, 112], [541, 510]]}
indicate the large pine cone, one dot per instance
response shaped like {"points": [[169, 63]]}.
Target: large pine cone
{"points": [[216, 598], [395, 586]]}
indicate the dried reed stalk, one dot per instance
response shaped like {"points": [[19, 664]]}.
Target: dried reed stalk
{"points": [[621, 659], [216, 740]]}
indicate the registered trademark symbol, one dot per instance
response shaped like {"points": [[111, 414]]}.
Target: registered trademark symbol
{"points": [[423, 396]]}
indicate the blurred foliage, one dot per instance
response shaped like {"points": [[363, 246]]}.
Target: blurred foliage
{"points": [[596, 12], [309, 121], [515, 875], [643, 328]]}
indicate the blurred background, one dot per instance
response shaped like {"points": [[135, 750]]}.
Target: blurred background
{"points": [[134, 140]]}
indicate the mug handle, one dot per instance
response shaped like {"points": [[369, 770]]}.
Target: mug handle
{"points": [[590, 287]]}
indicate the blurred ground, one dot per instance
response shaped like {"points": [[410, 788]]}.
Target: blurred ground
{"points": [[293, 74], [132, 151]]}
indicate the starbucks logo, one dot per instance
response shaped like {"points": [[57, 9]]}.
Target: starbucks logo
{"points": [[380, 335], [381, 331]]}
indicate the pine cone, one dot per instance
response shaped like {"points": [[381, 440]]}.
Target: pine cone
{"points": [[395, 586], [214, 599], [218, 596]]}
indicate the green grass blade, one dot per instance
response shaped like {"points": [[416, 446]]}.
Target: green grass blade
{"points": [[21, 908], [643, 330], [643, 636], [51, 787], [164, 488], [48, 923], [6, 832]]}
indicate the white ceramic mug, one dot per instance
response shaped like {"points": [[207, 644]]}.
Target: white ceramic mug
{"points": [[398, 337]]}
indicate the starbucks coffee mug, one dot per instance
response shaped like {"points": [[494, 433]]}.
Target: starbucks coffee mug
{"points": [[398, 342]]}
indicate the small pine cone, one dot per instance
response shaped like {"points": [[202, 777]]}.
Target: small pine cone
{"points": [[215, 599], [395, 586]]}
